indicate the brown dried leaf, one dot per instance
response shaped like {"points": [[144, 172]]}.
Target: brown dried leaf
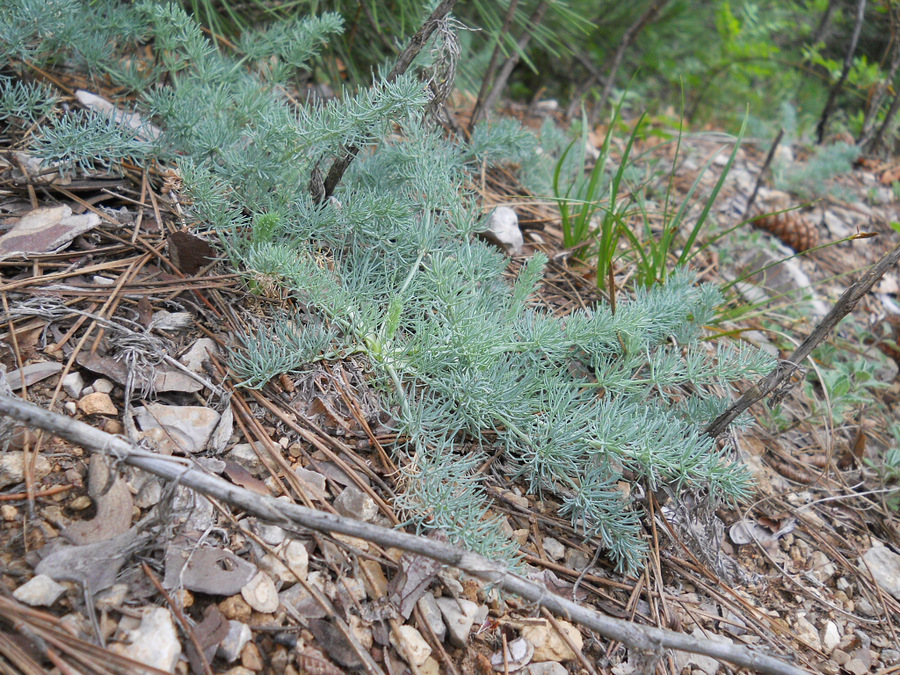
{"points": [[336, 645], [215, 571], [95, 566], [415, 576], [314, 662], [240, 476], [890, 175], [32, 374], [167, 378], [322, 407], [45, 230], [114, 506], [190, 253], [209, 632]]}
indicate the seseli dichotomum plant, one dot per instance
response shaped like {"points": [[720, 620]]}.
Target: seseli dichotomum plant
{"points": [[389, 269]]}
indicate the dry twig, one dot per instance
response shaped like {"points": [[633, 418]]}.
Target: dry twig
{"points": [[782, 372]]}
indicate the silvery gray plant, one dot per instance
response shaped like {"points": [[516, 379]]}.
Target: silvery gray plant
{"points": [[389, 269]]}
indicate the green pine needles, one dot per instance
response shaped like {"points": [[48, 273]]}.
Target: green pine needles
{"points": [[388, 270]]}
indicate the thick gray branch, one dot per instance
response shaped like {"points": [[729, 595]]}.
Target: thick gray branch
{"points": [[643, 638]]}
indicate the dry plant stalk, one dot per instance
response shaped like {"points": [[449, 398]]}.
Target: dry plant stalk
{"points": [[781, 374]]}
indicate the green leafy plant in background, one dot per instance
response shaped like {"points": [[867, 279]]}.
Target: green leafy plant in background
{"points": [[862, 74], [389, 271], [841, 379], [598, 236], [889, 467], [749, 53], [815, 178], [841, 383]]}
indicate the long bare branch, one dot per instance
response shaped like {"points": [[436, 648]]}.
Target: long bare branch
{"points": [[783, 371], [644, 638]]}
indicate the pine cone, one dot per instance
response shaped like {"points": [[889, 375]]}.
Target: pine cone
{"points": [[791, 228]]}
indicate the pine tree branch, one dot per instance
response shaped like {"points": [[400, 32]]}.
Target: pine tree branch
{"points": [[781, 374], [644, 638], [845, 71], [500, 83], [407, 56], [492, 65], [420, 38], [649, 15]]}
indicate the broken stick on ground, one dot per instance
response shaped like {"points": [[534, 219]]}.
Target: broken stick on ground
{"points": [[183, 471]]}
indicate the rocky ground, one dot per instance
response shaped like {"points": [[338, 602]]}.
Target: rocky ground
{"points": [[123, 322]]}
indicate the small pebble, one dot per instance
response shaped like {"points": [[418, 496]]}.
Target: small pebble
{"points": [[546, 668], [831, 637], [375, 577], [98, 403], [554, 549], [80, 503], [245, 455], [410, 645], [549, 645], [112, 597], [40, 591], [113, 427], [73, 384], [236, 608], [271, 534], [459, 615], [251, 659], [296, 557], [261, 594], [361, 631], [155, 642], [314, 481], [577, 560], [103, 385], [432, 615], [354, 503], [232, 645], [238, 670], [12, 465]]}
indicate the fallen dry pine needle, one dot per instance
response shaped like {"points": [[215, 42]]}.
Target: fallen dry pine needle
{"points": [[644, 638]]}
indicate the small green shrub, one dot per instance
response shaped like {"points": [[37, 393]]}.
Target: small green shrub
{"points": [[842, 383], [598, 211], [815, 178]]}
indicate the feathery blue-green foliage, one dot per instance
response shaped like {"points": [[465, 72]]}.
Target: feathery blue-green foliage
{"points": [[465, 362], [24, 103], [89, 141]]}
